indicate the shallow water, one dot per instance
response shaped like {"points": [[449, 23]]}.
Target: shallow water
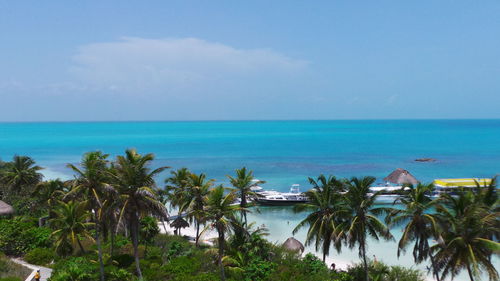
{"points": [[281, 221]]}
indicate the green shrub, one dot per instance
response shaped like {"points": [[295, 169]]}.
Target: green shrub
{"points": [[257, 270], [382, 272], [40, 256], [20, 235], [148, 229], [182, 266], [312, 264], [124, 260], [291, 267], [118, 274], [152, 271], [154, 254], [399, 273], [75, 269], [342, 276]]}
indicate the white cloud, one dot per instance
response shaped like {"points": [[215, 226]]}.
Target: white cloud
{"points": [[170, 65]]}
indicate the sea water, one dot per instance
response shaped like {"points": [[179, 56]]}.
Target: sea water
{"points": [[280, 152]]}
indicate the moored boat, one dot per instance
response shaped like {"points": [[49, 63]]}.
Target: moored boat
{"points": [[451, 185], [275, 198]]}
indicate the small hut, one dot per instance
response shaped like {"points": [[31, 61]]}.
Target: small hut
{"points": [[179, 223], [293, 244], [5, 209], [401, 176]]}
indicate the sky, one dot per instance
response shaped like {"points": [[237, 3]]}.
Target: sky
{"points": [[256, 60]]}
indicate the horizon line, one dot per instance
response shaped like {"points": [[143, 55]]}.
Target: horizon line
{"points": [[242, 120]]}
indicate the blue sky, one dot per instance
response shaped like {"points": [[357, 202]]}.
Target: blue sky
{"points": [[231, 60]]}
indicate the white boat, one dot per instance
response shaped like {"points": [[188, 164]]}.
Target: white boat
{"points": [[275, 198]]}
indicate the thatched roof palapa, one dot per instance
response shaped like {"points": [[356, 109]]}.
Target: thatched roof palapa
{"points": [[5, 209], [179, 223], [293, 245], [401, 176]]}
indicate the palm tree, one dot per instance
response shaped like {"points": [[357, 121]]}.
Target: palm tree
{"points": [[220, 212], [245, 237], [243, 183], [91, 184], [49, 192], [108, 216], [135, 182], [176, 189], [362, 219], [177, 185], [326, 209], [465, 242], [20, 173], [193, 201], [70, 222], [420, 224]]}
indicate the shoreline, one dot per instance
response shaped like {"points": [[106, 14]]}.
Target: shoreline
{"points": [[341, 264]]}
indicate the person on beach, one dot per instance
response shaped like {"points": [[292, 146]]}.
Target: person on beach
{"points": [[333, 266], [37, 275]]}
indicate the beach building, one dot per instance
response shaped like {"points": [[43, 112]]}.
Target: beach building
{"points": [[5, 209]]}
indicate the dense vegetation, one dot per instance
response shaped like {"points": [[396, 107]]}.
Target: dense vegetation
{"points": [[103, 225]]}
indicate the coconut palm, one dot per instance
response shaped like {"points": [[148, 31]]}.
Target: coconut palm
{"points": [[91, 184], [176, 190], [220, 211], [487, 195], [246, 238], [326, 210], [22, 172], [135, 182], [243, 183], [362, 218], [193, 200], [244, 243], [108, 217], [49, 192], [465, 241], [420, 224], [176, 186], [70, 223]]}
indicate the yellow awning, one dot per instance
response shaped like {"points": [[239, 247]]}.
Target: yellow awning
{"points": [[466, 182]]}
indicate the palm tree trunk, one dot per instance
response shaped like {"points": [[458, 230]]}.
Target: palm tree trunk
{"points": [[112, 247], [324, 256], [197, 232], [134, 232], [99, 252], [221, 254], [433, 264], [365, 263], [80, 245], [99, 247], [243, 204], [470, 272], [164, 227]]}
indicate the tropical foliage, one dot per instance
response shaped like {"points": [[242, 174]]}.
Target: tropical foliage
{"points": [[103, 224]]}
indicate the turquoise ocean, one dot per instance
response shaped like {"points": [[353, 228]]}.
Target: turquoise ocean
{"points": [[280, 152]]}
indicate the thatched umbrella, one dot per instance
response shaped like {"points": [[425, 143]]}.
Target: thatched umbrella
{"points": [[179, 223], [401, 176], [6, 209], [293, 244]]}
